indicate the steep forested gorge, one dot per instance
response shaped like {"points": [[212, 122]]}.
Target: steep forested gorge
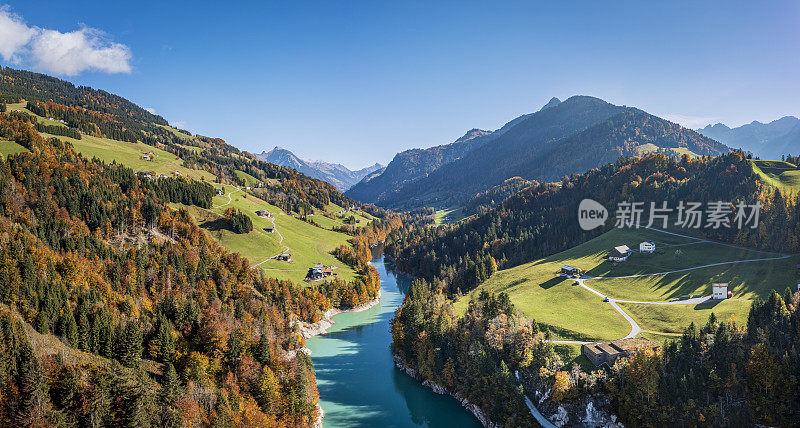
{"points": [[118, 310]]}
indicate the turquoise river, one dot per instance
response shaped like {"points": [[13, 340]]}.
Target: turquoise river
{"points": [[358, 382]]}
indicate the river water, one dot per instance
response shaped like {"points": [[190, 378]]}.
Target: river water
{"points": [[357, 380]]}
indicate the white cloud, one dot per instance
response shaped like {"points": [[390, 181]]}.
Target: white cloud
{"points": [[14, 34], [150, 110], [52, 51], [77, 51]]}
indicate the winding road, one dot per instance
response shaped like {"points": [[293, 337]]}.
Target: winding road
{"points": [[635, 328], [272, 219], [229, 198], [284, 250]]}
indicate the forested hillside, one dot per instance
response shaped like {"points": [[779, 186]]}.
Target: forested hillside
{"points": [[720, 373], [102, 114], [572, 137], [542, 219], [119, 310], [488, 199]]}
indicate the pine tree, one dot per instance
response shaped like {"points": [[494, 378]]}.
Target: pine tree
{"points": [[170, 393], [268, 391], [164, 342], [263, 353], [36, 409], [235, 349], [130, 351], [84, 328], [67, 326]]}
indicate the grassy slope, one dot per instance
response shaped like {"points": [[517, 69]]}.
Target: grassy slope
{"points": [[128, 154], [338, 219], [536, 291], [307, 243], [673, 318], [10, 148], [456, 214], [648, 148], [777, 173], [249, 179]]}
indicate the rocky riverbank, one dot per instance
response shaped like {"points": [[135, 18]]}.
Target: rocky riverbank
{"points": [[309, 330], [474, 409]]}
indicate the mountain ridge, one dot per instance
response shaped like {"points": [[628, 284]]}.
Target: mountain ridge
{"points": [[337, 174], [413, 164], [544, 146], [768, 140]]}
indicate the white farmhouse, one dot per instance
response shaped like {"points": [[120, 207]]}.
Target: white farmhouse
{"points": [[719, 291]]}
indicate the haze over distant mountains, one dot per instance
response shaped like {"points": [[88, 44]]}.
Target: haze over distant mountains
{"points": [[561, 138], [334, 173], [765, 140]]}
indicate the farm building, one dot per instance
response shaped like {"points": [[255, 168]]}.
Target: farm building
{"points": [[606, 353], [269, 229], [647, 247], [569, 270], [314, 273], [719, 291], [619, 253], [319, 271]]}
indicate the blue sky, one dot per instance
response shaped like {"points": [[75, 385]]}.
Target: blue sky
{"points": [[356, 82]]}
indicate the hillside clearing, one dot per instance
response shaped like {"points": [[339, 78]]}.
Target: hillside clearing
{"points": [[777, 173], [308, 244], [10, 148], [576, 313]]}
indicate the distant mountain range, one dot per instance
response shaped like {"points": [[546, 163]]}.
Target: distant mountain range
{"points": [[413, 164], [562, 138], [765, 140], [334, 173]]}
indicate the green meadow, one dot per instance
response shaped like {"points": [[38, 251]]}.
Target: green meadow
{"points": [[10, 148], [777, 173], [308, 244], [572, 312]]}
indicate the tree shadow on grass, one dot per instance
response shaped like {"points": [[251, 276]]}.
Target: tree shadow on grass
{"points": [[552, 282], [709, 304], [216, 225]]}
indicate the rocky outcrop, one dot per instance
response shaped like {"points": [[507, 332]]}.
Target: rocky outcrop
{"points": [[589, 410], [320, 415], [435, 387]]}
